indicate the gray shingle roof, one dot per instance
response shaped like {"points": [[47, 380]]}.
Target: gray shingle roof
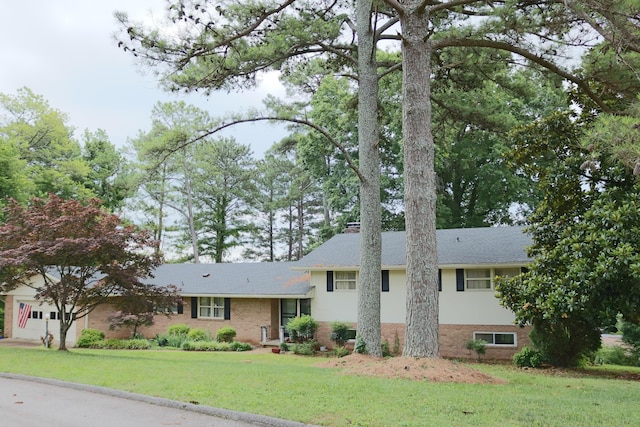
{"points": [[237, 279], [461, 246]]}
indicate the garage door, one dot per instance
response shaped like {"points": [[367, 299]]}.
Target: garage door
{"points": [[30, 322]]}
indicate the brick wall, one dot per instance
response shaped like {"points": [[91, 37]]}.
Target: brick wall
{"points": [[247, 317], [452, 339]]}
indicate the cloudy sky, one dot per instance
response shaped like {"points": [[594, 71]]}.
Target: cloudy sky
{"points": [[65, 51]]}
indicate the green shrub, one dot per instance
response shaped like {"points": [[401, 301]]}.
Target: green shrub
{"points": [[339, 333], [386, 350], [240, 346], [361, 346], [179, 329], [197, 334], [226, 334], [216, 346], [114, 344], [528, 358], [477, 346], [162, 340], [307, 348], [341, 351], [302, 328], [614, 355], [175, 341], [88, 337], [568, 342]]}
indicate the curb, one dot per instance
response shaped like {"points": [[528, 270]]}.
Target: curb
{"points": [[260, 420]]}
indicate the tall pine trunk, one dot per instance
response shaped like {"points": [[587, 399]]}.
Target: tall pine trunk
{"points": [[421, 339], [369, 285]]}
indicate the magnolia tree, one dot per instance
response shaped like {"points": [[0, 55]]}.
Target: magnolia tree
{"points": [[83, 254]]}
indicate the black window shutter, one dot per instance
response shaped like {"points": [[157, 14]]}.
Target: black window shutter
{"points": [[385, 280], [329, 281], [180, 308], [439, 280], [227, 308], [459, 279], [194, 307]]}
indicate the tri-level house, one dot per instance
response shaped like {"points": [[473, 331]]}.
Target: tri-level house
{"points": [[258, 299]]}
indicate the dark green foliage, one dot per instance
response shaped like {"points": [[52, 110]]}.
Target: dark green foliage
{"points": [[528, 358], [361, 346], [302, 328], [631, 337], [565, 343], [197, 334], [88, 337], [339, 331], [226, 334], [586, 234]]}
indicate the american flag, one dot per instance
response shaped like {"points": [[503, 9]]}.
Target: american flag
{"points": [[23, 315]]}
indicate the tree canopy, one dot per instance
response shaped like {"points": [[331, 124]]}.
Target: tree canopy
{"points": [[84, 255], [586, 266]]}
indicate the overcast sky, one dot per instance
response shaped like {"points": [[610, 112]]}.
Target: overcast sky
{"points": [[65, 51]]}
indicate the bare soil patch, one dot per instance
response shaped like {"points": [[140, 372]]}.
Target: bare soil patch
{"points": [[436, 370]]}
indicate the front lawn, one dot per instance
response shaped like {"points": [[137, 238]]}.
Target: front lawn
{"points": [[293, 387]]}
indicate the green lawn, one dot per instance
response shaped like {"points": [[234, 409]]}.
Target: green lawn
{"points": [[292, 387]]}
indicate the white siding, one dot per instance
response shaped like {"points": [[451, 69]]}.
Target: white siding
{"points": [[469, 307]]}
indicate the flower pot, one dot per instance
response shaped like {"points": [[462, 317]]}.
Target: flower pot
{"points": [[275, 350]]}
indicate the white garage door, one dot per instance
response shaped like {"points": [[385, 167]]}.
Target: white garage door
{"points": [[30, 322]]}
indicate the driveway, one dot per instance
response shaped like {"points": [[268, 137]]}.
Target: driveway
{"points": [[36, 402]]}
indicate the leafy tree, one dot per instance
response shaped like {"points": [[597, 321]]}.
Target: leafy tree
{"points": [[138, 307], [84, 255], [54, 162], [585, 233], [229, 52], [222, 192], [237, 41], [168, 170], [109, 178], [287, 201], [14, 183]]}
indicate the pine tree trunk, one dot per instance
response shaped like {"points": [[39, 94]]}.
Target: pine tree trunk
{"points": [[421, 339], [369, 285]]}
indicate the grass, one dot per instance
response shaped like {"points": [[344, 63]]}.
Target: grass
{"points": [[293, 388]]}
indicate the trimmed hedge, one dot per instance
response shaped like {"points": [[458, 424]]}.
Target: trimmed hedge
{"points": [[216, 346], [113, 344]]}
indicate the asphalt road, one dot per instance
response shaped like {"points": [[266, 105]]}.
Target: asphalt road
{"points": [[36, 402]]}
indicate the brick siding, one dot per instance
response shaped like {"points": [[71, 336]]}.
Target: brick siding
{"points": [[452, 339]]}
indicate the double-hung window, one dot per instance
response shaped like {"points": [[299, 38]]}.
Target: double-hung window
{"points": [[484, 278], [211, 307], [345, 280]]}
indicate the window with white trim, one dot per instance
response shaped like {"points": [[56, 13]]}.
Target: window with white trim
{"points": [[484, 278], [345, 280], [508, 339], [211, 307]]}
